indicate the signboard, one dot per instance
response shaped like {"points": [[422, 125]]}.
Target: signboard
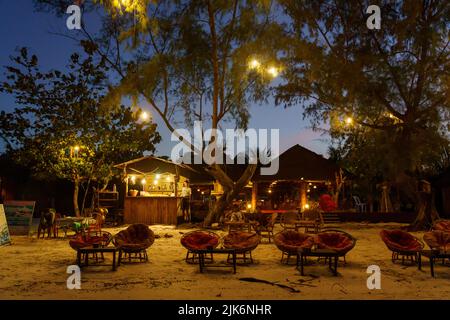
{"points": [[4, 232], [19, 215]]}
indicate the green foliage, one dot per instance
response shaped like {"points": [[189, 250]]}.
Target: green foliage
{"points": [[168, 53], [392, 84], [60, 130]]}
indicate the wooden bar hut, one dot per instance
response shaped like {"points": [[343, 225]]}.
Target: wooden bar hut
{"points": [[302, 174], [153, 188]]}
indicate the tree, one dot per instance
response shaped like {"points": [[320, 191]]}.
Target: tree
{"points": [[191, 59], [385, 93], [60, 129]]}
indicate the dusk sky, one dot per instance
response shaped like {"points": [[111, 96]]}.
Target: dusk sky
{"points": [[21, 26]]}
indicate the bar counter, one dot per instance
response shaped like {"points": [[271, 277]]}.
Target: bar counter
{"points": [[152, 210]]}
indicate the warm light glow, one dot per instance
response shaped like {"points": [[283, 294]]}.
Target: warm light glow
{"points": [[144, 116], [168, 179], [155, 182], [273, 72], [309, 184], [270, 191], [133, 179], [76, 148], [158, 176], [306, 206], [203, 192], [309, 190], [143, 181], [349, 120], [315, 187], [254, 64], [249, 206]]}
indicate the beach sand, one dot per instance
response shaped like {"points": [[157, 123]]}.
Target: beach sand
{"points": [[33, 268]]}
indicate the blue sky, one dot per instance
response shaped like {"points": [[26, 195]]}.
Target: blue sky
{"points": [[21, 26]]}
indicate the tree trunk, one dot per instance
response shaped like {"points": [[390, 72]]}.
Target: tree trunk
{"points": [[231, 190], [219, 207], [85, 195], [340, 180], [76, 190], [426, 212]]}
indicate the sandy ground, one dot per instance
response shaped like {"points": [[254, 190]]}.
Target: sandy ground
{"points": [[36, 269]]}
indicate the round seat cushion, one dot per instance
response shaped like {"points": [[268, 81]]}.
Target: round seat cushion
{"points": [[198, 240], [437, 240], [135, 237], [336, 241], [83, 242], [399, 240], [442, 225], [290, 241], [241, 241]]}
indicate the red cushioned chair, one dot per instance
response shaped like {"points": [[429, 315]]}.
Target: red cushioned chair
{"points": [[437, 240], [336, 240], [243, 242], [442, 225], [134, 242], [289, 241], [198, 240], [264, 225], [91, 239], [402, 244]]}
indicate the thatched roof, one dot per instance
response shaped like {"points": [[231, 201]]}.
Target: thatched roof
{"points": [[294, 164], [297, 163], [149, 164]]}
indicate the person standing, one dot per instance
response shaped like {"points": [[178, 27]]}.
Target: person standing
{"points": [[185, 202]]}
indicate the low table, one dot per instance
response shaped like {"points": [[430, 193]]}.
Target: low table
{"points": [[239, 226], [201, 258], [87, 250], [432, 255], [307, 224], [322, 253]]}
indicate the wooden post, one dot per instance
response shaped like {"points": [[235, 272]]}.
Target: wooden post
{"points": [[254, 194], [303, 186], [126, 180]]}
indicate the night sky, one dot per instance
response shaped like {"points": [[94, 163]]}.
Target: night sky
{"points": [[21, 26]]}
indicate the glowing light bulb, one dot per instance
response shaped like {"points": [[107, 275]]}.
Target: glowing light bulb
{"points": [[254, 64], [349, 120], [143, 181], [144, 116], [273, 72]]}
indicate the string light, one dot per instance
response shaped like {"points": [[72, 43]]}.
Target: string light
{"points": [[273, 72], [349, 120], [254, 64]]}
